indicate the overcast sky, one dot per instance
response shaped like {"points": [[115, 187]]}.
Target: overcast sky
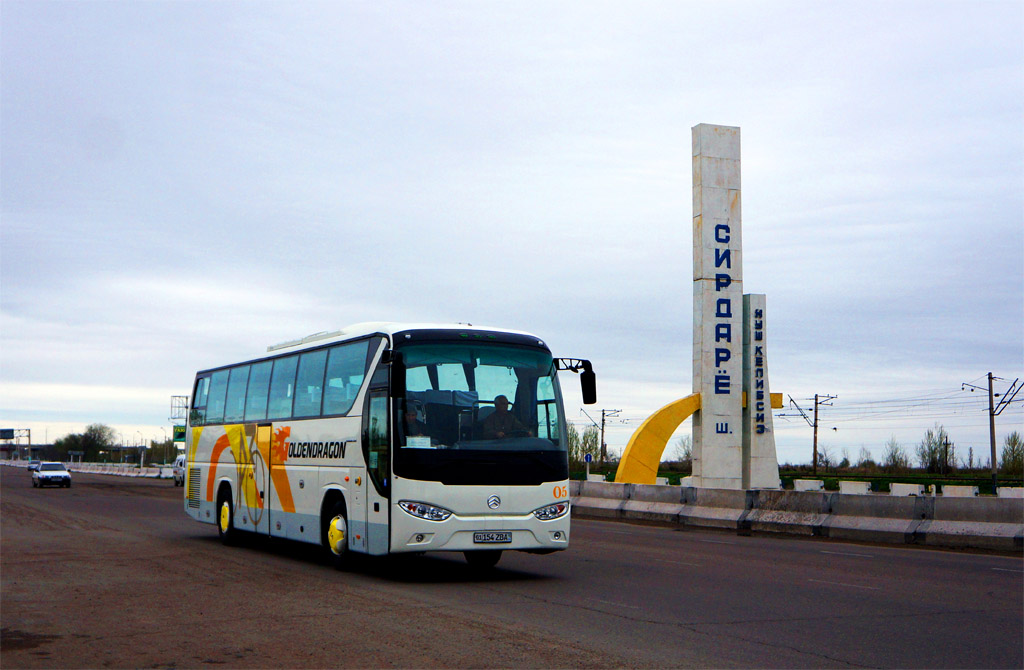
{"points": [[184, 183]]}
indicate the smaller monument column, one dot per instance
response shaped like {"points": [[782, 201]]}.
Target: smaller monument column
{"points": [[760, 463], [717, 308]]}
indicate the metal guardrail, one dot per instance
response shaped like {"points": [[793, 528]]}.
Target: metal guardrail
{"points": [[116, 469]]}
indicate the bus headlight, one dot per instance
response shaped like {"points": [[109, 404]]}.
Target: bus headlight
{"points": [[424, 511], [549, 512]]}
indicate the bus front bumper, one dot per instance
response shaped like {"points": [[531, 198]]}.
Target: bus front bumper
{"points": [[478, 532]]}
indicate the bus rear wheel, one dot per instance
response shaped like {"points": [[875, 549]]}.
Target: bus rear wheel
{"points": [[225, 518], [336, 536], [483, 560]]}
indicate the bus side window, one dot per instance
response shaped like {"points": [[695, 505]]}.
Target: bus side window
{"points": [[346, 368], [256, 396], [202, 390], [215, 403], [234, 407], [282, 388], [310, 383]]}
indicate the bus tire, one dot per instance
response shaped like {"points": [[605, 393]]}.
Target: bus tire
{"points": [[335, 534], [483, 560], [225, 517]]}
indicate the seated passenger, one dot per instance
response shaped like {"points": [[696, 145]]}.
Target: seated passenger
{"points": [[501, 424], [413, 426]]}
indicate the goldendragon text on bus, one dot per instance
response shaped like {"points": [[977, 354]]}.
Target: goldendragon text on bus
{"points": [[385, 438]]}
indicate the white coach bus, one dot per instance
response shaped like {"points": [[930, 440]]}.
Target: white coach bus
{"points": [[386, 438]]}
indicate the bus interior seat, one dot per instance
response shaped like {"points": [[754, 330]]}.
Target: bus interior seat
{"points": [[443, 421]]}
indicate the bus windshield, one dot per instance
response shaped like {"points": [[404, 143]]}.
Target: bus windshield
{"points": [[481, 413]]}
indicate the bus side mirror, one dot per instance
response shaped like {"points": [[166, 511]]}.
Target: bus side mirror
{"points": [[588, 385], [588, 380]]}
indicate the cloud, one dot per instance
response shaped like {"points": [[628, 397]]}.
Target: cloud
{"points": [[184, 184]]}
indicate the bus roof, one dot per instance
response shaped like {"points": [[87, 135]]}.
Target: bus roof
{"points": [[389, 329]]}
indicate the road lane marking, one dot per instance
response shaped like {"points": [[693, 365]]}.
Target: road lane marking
{"points": [[715, 542], [1019, 572], [846, 553], [852, 586], [662, 560], [608, 602]]}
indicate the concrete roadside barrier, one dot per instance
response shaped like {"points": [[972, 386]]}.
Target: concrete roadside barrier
{"points": [[854, 488], [955, 491], [906, 489], [982, 523], [595, 478], [975, 522], [792, 512], [1010, 492], [600, 499], [808, 485], [713, 508], [662, 503], [872, 518]]}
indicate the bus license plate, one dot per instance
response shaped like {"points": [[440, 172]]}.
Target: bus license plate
{"points": [[492, 538]]}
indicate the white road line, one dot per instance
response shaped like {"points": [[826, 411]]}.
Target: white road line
{"points": [[662, 560], [715, 542], [608, 602], [852, 586], [1009, 570], [846, 553]]}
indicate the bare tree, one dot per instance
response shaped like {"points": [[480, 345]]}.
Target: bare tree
{"points": [[683, 452], [865, 460], [936, 453], [825, 458], [895, 457], [1012, 460]]}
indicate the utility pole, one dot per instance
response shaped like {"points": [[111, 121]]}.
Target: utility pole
{"points": [[818, 400], [604, 447], [815, 469], [992, 436], [994, 410], [945, 457]]}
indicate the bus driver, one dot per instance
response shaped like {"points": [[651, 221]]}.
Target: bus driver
{"points": [[501, 424]]}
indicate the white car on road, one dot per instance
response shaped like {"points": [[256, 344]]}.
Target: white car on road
{"points": [[51, 474], [179, 470]]}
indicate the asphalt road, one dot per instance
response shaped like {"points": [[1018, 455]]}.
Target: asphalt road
{"points": [[111, 573]]}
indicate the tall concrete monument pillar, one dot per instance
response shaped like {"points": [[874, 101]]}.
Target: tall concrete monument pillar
{"points": [[731, 404], [717, 308]]}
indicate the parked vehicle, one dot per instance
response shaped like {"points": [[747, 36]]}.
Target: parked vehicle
{"points": [[33, 465], [51, 474], [179, 470]]}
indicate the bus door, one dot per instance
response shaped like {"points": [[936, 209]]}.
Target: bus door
{"points": [[260, 479], [376, 449]]}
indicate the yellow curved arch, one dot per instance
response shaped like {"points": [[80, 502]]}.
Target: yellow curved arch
{"points": [[639, 462]]}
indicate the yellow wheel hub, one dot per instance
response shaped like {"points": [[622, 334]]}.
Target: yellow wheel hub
{"points": [[225, 517], [336, 535]]}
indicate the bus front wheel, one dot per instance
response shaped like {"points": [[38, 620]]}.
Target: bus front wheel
{"points": [[483, 560], [336, 536]]}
